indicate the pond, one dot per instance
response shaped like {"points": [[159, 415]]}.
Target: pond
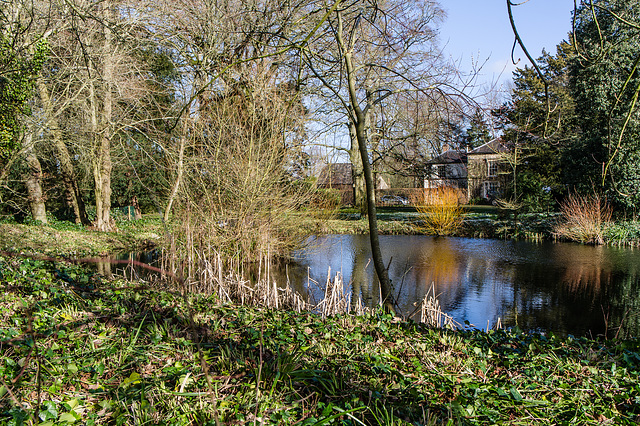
{"points": [[547, 287]]}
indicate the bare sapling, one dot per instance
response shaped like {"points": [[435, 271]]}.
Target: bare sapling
{"points": [[241, 196]]}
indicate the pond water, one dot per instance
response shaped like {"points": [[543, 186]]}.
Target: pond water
{"points": [[547, 287]]}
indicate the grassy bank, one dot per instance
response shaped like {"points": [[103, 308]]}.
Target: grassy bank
{"points": [[67, 239], [75, 349]]}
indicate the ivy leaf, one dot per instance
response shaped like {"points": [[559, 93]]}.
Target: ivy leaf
{"points": [[70, 417], [49, 411], [516, 395]]}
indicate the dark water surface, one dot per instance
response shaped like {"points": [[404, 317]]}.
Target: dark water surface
{"points": [[549, 287]]}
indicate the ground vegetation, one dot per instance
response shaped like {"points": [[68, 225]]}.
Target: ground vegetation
{"points": [[82, 349]]}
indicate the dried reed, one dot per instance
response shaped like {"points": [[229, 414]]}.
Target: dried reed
{"points": [[431, 312], [336, 300]]}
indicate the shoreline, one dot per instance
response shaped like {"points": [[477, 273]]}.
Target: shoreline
{"points": [[109, 345], [65, 239]]}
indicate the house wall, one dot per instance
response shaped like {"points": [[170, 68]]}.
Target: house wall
{"points": [[480, 181], [453, 175]]}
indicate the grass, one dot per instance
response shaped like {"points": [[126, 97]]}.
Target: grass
{"points": [[67, 239], [60, 238], [76, 349]]}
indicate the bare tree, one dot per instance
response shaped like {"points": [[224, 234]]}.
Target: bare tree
{"points": [[95, 93], [369, 55]]}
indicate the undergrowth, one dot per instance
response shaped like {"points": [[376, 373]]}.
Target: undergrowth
{"points": [[584, 219], [75, 349]]}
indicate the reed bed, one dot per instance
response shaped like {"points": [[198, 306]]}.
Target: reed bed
{"points": [[209, 273]]}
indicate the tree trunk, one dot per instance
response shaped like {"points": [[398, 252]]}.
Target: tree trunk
{"points": [[33, 180], [358, 118], [64, 158], [136, 208], [357, 173], [103, 132]]}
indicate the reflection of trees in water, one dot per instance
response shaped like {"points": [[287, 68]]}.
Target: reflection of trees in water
{"points": [[439, 263], [588, 276], [460, 277], [104, 268], [361, 282], [623, 310]]}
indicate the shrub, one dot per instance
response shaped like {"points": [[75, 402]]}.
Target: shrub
{"points": [[584, 219], [439, 210]]}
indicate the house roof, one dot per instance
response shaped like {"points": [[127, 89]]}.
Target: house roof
{"points": [[494, 146], [336, 174], [449, 157]]}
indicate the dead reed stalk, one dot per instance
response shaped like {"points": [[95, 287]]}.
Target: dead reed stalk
{"points": [[431, 312], [335, 300]]}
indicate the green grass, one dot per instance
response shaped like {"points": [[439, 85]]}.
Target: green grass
{"points": [[62, 238], [75, 349]]}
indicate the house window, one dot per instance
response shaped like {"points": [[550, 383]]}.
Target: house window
{"points": [[490, 190], [441, 171], [492, 168]]}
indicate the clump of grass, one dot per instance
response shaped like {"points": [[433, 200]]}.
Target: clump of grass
{"points": [[440, 210], [584, 219], [623, 233]]}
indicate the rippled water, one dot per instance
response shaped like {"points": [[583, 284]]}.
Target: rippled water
{"points": [[558, 287]]}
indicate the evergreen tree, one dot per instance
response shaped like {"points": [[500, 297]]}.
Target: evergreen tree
{"points": [[605, 84], [539, 129], [478, 130]]}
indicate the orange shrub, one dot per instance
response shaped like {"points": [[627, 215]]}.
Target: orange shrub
{"points": [[439, 210], [584, 219]]}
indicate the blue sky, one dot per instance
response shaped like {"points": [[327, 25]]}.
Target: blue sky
{"points": [[479, 31]]}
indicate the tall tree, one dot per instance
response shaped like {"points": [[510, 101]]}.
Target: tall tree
{"points": [[478, 132], [539, 137], [21, 58], [606, 84], [94, 92], [366, 56]]}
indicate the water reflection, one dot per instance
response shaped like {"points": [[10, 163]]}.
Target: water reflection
{"points": [[122, 265], [564, 288]]}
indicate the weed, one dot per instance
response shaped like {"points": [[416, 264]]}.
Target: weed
{"points": [[122, 354]]}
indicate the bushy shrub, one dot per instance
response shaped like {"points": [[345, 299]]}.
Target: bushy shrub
{"points": [[584, 219], [439, 210]]}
